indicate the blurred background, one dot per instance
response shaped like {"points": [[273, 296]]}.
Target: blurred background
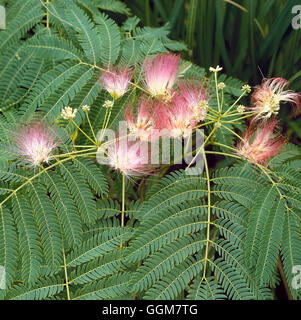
{"points": [[249, 38]]}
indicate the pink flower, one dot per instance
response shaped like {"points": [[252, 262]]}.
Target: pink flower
{"points": [[195, 96], [141, 126], [129, 157], [177, 118], [261, 143], [116, 81], [267, 97], [35, 143], [161, 74]]}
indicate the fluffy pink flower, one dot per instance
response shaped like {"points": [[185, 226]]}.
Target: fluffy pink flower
{"points": [[261, 143], [35, 143], [130, 158], [267, 97], [116, 81], [161, 74], [177, 118], [195, 96], [142, 125]]}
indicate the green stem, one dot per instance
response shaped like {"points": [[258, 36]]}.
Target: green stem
{"points": [[222, 145], [208, 215], [108, 119], [222, 104], [47, 16], [214, 113], [105, 122], [204, 124], [217, 95], [122, 207], [234, 133], [284, 280], [66, 276], [91, 128], [123, 200], [223, 154], [73, 153], [187, 144], [84, 146], [105, 119], [235, 113], [234, 104], [72, 121], [202, 147], [41, 172]]}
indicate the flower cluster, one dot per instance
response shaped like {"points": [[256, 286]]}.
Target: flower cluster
{"points": [[116, 81], [157, 118], [68, 113], [174, 107], [35, 143], [261, 141], [161, 74], [129, 157], [171, 108], [176, 116], [142, 125], [267, 97]]}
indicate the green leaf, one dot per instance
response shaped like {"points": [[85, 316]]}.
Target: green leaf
{"points": [[87, 34], [270, 242], [9, 244], [97, 246], [93, 174], [48, 224], [110, 39], [29, 239], [258, 217], [42, 289]]}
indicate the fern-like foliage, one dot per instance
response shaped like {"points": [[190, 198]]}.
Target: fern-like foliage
{"points": [[66, 229]]}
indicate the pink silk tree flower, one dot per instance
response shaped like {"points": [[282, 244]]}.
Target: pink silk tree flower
{"points": [[267, 97], [261, 143], [195, 97], [35, 143], [161, 74], [178, 119], [116, 81], [141, 125], [129, 157]]}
